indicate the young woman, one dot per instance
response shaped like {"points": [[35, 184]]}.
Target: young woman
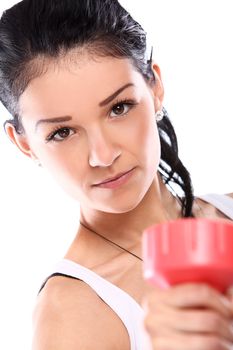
{"points": [[87, 104]]}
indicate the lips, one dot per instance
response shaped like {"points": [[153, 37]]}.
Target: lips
{"points": [[112, 178]]}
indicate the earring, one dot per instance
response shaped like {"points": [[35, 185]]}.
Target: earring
{"points": [[159, 115]]}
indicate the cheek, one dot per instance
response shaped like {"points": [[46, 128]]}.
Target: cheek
{"points": [[66, 164], [147, 140]]}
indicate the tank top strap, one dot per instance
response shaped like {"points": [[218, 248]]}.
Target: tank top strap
{"points": [[222, 202], [127, 309]]}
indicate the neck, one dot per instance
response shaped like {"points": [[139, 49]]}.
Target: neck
{"points": [[158, 205]]}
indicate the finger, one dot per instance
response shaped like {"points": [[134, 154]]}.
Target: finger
{"points": [[201, 295], [184, 342], [208, 322], [229, 293], [165, 322]]}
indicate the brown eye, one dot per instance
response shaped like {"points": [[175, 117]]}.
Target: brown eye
{"points": [[119, 109], [60, 134], [63, 133]]}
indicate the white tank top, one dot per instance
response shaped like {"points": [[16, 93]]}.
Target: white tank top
{"points": [[221, 202], [128, 310]]}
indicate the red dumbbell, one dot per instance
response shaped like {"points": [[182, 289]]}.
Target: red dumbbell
{"points": [[189, 250]]}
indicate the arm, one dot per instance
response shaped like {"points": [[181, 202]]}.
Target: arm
{"points": [[70, 316]]}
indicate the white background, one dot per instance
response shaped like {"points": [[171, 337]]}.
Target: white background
{"points": [[193, 45]]}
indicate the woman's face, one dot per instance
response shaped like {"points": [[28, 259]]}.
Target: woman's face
{"points": [[90, 121]]}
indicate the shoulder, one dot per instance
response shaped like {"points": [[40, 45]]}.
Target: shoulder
{"points": [[205, 209], [70, 316]]}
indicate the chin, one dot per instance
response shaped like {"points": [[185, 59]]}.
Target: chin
{"points": [[121, 205]]}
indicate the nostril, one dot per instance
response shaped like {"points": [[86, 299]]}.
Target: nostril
{"points": [[105, 159]]}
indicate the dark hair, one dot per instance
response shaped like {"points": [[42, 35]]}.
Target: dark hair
{"points": [[34, 31]]}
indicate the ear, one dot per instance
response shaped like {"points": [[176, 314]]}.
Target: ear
{"points": [[157, 87], [20, 140]]}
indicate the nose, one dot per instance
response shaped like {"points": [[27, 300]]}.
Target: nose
{"points": [[102, 150]]}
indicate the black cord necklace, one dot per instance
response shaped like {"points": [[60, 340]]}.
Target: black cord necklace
{"points": [[109, 241], [117, 245]]}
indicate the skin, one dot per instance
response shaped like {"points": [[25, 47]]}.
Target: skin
{"points": [[101, 144]]}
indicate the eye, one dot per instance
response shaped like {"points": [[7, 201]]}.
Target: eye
{"points": [[59, 134], [121, 108]]}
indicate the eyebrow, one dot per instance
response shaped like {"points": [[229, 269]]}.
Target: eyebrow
{"points": [[67, 118], [111, 97]]}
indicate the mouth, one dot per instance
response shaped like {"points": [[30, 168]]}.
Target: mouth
{"points": [[114, 178]]}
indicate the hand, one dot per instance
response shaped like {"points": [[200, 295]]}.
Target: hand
{"points": [[188, 316]]}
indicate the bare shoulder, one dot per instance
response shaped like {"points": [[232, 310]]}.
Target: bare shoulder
{"points": [[207, 210], [70, 316]]}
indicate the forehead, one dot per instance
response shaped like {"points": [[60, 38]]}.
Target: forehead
{"points": [[86, 80]]}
